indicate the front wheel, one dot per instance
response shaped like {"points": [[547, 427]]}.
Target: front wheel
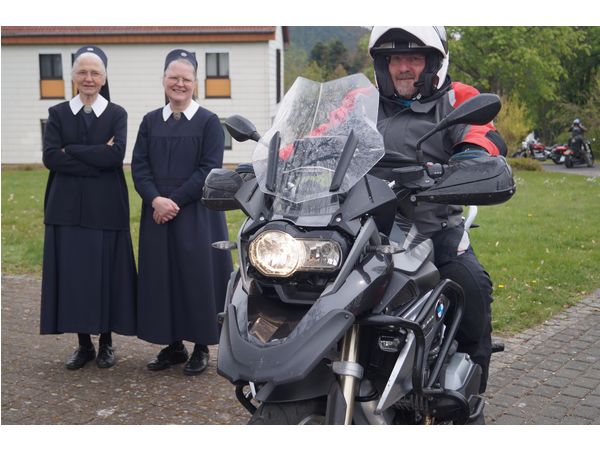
{"points": [[569, 162], [305, 412]]}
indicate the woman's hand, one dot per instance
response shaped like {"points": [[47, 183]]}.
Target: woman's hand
{"points": [[165, 209]]}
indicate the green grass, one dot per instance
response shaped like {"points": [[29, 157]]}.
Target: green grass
{"points": [[542, 248], [23, 217]]}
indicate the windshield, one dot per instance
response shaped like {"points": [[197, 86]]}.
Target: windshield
{"points": [[313, 124]]}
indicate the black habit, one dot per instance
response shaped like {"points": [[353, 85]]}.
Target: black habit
{"points": [[88, 279], [182, 280]]}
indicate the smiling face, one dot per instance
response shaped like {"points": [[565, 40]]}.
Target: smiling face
{"points": [[89, 75], [405, 69], [179, 81]]}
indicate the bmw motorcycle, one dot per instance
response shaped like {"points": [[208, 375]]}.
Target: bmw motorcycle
{"points": [[337, 313]]}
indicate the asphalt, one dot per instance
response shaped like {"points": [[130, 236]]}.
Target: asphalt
{"points": [[547, 375], [590, 172]]}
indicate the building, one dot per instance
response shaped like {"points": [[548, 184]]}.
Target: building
{"points": [[240, 71]]}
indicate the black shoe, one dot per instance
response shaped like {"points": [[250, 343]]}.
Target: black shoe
{"points": [[196, 364], [106, 357], [81, 356], [168, 357]]}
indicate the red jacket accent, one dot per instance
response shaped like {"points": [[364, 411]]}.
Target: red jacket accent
{"points": [[474, 134]]}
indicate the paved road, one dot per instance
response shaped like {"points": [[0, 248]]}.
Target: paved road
{"points": [[548, 375], [592, 172]]}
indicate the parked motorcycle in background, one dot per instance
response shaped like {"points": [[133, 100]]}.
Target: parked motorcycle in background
{"points": [[337, 313], [558, 153], [531, 147]]}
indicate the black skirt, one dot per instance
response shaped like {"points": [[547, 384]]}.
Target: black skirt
{"points": [[88, 281]]}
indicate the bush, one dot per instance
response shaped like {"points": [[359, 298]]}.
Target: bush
{"points": [[525, 164], [513, 122]]}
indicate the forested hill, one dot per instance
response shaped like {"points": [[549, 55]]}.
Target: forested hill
{"points": [[306, 37]]}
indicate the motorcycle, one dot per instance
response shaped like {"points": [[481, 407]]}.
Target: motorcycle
{"points": [[558, 153], [584, 156], [532, 148], [337, 313]]}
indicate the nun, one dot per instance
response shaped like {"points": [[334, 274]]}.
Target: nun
{"points": [[89, 277], [182, 280]]}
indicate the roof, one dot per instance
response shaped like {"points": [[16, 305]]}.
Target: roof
{"points": [[135, 34]]}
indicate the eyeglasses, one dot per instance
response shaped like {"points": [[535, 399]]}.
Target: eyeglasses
{"points": [[177, 80], [84, 74]]}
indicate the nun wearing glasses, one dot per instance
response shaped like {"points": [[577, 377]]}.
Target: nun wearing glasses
{"points": [[182, 279], [89, 277]]}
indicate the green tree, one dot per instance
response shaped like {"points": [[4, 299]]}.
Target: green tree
{"points": [[530, 62], [589, 113], [330, 55], [313, 71], [361, 60], [513, 122], [582, 69], [338, 72], [296, 61], [320, 54]]}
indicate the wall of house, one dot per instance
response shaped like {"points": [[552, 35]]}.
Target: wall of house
{"points": [[134, 75]]}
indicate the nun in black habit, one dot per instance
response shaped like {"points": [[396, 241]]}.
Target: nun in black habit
{"points": [[88, 278], [182, 280]]}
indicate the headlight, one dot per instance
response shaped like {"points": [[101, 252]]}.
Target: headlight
{"points": [[277, 254]]}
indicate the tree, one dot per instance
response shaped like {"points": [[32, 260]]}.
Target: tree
{"points": [[319, 54], [330, 55], [530, 62], [513, 122], [296, 61]]}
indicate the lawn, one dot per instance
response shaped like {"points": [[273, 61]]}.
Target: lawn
{"points": [[542, 248]]}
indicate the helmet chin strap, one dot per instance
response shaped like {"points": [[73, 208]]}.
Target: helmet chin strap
{"points": [[427, 84]]}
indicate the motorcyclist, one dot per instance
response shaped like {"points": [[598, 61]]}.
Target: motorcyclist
{"points": [[577, 131], [411, 65]]}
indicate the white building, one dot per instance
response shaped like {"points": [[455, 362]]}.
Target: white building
{"points": [[240, 71]]}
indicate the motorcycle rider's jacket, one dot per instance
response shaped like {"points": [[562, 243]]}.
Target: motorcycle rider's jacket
{"points": [[577, 130], [401, 127]]}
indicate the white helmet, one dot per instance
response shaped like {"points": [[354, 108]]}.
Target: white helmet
{"points": [[386, 41]]}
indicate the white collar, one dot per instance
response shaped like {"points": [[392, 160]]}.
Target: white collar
{"points": [[189, 111], [98, 106]]}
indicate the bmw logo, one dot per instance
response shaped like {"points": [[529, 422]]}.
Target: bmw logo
{"points": [[439, 310]]}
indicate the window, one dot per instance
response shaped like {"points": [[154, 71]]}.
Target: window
{"points": [[43, 124], [217, 83], [51, 77], [217, 65], [227, 136], [74, 90], [278, 75]]}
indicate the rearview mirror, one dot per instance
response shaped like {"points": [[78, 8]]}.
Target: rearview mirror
{"points": [[477, 110], [241, 129]]}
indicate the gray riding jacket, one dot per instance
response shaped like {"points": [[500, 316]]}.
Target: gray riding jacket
{"points": [[402, 126]]}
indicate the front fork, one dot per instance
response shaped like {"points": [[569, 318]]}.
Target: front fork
{"points": [[349, 370]]}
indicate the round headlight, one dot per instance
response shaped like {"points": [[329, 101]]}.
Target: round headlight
{"points": [[275, 253]]}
